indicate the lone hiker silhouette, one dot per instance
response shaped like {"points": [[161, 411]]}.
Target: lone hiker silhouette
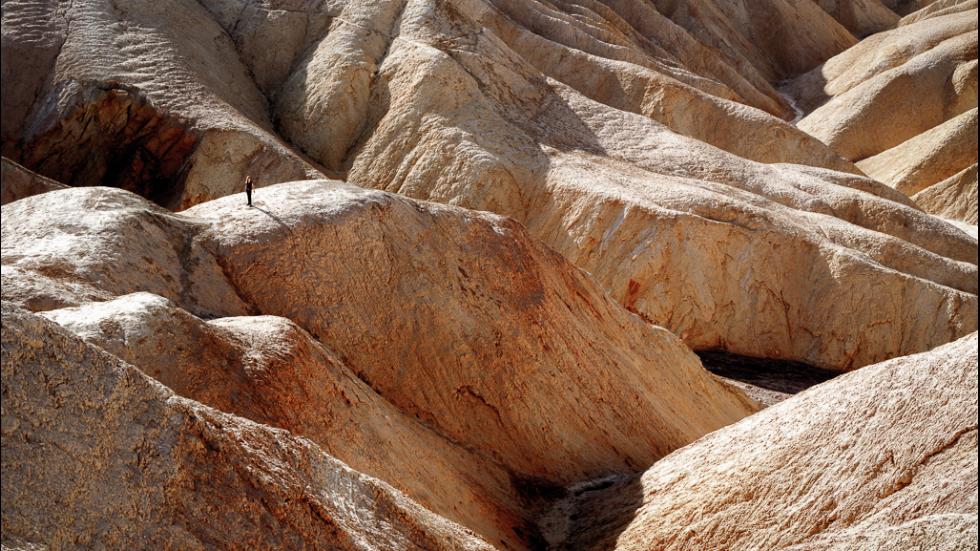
{"points": [[248, 189]]}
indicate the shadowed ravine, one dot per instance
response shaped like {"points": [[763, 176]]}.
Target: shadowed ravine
{"points": [[768, 381], [591, 514]]}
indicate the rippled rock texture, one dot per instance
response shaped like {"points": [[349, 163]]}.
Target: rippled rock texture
{"points": [[486, 240]]}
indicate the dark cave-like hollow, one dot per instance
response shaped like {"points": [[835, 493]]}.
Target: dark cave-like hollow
{"points": [[109, 134]]}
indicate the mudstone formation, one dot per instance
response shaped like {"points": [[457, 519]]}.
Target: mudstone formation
{"points": [[518, 274]]}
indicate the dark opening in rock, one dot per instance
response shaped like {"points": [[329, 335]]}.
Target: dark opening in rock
{"points": [[766, 380], [109, 134]]}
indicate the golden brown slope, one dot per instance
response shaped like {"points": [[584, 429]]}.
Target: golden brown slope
{"points": [[525, 369], [97, 453], [490, 105]]}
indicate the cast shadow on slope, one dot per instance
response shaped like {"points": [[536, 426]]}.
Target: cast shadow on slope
{"points": [[282, 223]]}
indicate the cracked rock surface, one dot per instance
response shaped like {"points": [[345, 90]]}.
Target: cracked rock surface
{"points": [[883, 458], [465, 398], [645, 142], [95, 453]]}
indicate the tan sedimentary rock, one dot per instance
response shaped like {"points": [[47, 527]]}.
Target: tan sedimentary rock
{"points": [[954, 531], [928, 158], [893, 86], [938, 8], [628, 31], [486, 279], [623, 82], [479, 286], [17, 182], [148, 96], [861, 17], [269, 370], [499, 345], [95, 453], [873, 56], [954, 197], [607, 59], [778, 37], [649, 212], [883, 458], [490, 105], [638, 25], [446, 353], [266, 49], [506, 141], [903, 104]]}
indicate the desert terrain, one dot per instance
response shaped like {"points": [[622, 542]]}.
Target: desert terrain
{"points": [[515, 275]]}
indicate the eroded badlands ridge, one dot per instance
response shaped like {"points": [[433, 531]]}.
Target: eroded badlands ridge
{"points": [[885, 458], [341, 367], [96, 453], [902, 104], [639, 140], [484, 367]]}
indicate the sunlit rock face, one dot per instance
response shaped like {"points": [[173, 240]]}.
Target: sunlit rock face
{"points": [[632, 196], [466, 397], [616, 133], [902, 104], [884, 458], [486, 240]]}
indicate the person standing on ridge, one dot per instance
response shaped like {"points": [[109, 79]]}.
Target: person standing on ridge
{"points": [[248, 189]]}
